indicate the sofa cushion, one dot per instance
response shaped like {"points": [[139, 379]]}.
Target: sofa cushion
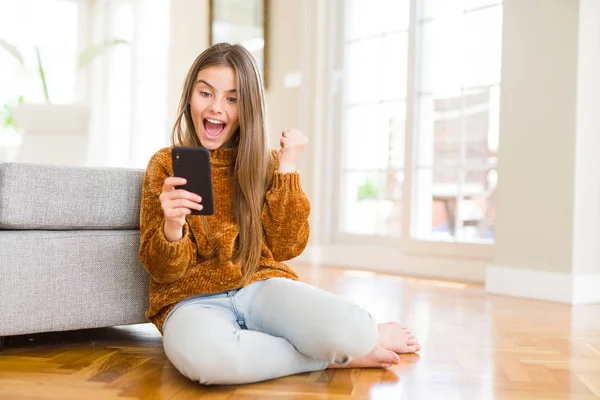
{"points": [[63, 280], [42, 196]]}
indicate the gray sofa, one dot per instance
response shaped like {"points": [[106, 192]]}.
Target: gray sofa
{"points": [[69, 239]]}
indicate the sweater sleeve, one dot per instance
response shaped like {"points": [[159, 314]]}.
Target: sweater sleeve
{"points": [[165, 261], [285, 216]]}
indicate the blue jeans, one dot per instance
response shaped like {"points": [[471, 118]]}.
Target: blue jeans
{"points": [[269, 329]]}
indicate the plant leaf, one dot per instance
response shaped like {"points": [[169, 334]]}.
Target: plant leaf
{"points": [[42, 73], [12, 50], [88, 56], [6, 117]]}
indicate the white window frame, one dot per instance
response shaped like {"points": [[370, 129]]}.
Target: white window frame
{"points": [[407, 244]]}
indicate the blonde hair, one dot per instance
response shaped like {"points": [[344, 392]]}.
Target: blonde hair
{"points": [[251, 171]]}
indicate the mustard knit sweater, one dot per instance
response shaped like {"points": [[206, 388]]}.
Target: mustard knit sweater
{"points": [[197, 264]]}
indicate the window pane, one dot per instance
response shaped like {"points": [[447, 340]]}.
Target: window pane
{"points": [[362, 71], [374, 17], [373, 116], [372, 203], [394, 117], [436, 8], [477, 213], [374, 136], [457, 131], [362, 19], [440, 131], [481, 125], [394, 14], [439, 216], [443, 54], [478, 181], [484, 47], [435, 200], [494, 121], [365, 142], [394, 65]]}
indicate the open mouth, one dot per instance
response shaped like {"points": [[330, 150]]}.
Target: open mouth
{"points": [[213, 127]]}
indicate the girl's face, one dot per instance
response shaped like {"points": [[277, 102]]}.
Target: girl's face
{"points": [[214, 106]]}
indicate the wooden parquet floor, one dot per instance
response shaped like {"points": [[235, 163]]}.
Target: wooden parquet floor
{"points": [[475, 346]]}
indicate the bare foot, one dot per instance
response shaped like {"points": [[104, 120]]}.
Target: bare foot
{"points": [[397, 338], [377, 358]]}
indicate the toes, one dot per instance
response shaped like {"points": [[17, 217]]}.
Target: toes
{"points": [[390, 358], [412, 348], [412, 342]]}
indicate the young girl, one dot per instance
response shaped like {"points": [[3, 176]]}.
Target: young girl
{"points": [[229, 309]]}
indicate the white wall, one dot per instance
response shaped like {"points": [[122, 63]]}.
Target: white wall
{"points": [[586, 236], [537, 135], [548, 211], [285, 41]]}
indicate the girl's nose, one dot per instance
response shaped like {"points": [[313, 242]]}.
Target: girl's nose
{"points": [[215, 107]]}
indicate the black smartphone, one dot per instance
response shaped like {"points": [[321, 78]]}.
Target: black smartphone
{"points": [[193, 164]]}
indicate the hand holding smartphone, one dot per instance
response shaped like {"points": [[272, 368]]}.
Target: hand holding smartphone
{"points": [[193, 164]]}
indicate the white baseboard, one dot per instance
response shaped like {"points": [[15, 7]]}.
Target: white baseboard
{"points": [[543, 285], [391, 260]]}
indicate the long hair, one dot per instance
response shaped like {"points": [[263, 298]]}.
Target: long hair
{"points": [[251, 172]]}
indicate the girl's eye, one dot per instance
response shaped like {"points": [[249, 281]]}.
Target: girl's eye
{"points": [[204, 94], [232, 99]]}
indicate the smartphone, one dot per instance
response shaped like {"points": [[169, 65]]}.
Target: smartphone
{"points": [[193, 164]]}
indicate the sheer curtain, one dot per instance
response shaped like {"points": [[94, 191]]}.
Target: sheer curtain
{"points": [[129, 88]]}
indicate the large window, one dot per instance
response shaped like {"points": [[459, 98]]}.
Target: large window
{"points": [[456, 129], [374, 114], [437, 180]]}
